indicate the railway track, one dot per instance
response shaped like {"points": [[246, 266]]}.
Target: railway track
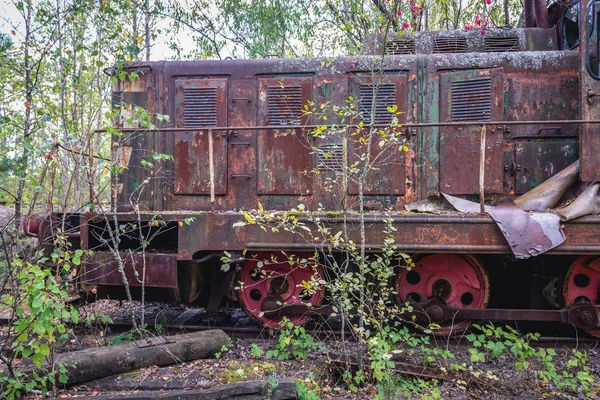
{"points": [[178, 324]]}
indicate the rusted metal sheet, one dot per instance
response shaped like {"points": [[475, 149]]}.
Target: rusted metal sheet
{"points": [[457, 233], [528, 235], [284, 155], [475, 95], [388, 173], [588, 202], [102, 269], [200, 103], [535, 162], [589, 95], [547, 194], [136, 176], [242, 110], [543, 95]]}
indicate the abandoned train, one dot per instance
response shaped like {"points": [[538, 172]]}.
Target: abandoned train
{"points": [[482, 117]]}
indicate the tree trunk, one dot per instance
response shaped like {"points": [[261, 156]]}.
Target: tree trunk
{"points": [[95, 363]]}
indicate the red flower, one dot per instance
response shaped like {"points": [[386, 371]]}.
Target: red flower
{"points": [[488, 2], [399, 13], [477, 20], [405, 25], [483, 31], [414, 8], [468, 27]]}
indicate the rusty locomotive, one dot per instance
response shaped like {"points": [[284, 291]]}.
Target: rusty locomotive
{"points": [[485, 117]]}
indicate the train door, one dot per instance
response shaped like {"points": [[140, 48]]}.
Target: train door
{"points": [[201, 155], [470, 96]]}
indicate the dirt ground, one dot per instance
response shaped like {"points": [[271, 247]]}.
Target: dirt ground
{"points": [[246, 361]]}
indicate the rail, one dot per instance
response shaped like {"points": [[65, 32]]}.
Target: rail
{"points": [[314, 126]]}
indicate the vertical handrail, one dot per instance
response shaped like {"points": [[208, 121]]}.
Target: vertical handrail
{"points": [[482, 169]]}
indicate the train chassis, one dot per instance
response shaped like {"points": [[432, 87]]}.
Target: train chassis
{"points": [[273, 280]]}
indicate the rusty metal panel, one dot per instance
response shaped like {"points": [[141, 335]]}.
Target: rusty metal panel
{"points": [[452, 233], [200, 103], [388, 176], [102, 269], [589, 141], [475, 95], [538, 161], [284, 155], [542, 96]]}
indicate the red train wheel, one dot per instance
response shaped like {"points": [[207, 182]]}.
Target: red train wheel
{"points": [[582, 284], [457, 280], [272, 275]]}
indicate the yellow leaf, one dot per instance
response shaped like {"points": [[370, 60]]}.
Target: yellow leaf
{"points": [[248, 218], [180, 223]]}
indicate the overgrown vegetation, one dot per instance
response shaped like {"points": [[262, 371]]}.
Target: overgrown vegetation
{"points": [[58, 60]]}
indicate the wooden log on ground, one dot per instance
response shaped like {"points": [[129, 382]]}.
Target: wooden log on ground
{"points": [[95, 363]]}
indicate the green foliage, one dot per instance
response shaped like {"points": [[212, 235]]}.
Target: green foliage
{"points": [[293, 342], [303, 392], [256, 351], [125, 337], [224, 349], [41, 322], [568, 374]]}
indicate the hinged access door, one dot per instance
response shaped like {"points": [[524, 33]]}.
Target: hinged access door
{"points": [[200, 103], [470, 96], [284, 154], [387, 157]]}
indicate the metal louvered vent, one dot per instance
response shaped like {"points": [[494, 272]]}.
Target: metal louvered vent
{"points": [[400, 46], [200, 107], [501, 44], [385, 97], [330, 157], [450, 45], [472, 100], [284, 105]]}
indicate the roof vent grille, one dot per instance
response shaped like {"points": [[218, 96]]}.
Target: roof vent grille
{"points": [[400, 46], [450, 45], [472, 100], [501, 44], [200, 107]]}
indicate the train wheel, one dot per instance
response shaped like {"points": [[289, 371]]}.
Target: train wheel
{"points": [[582, 284], [457, 280], [274, 276]]}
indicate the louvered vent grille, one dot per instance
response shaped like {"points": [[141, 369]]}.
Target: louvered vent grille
{"points": [[472, 100], [284, 105], [330, 157], [200, 107], [385, 97], [501, 44], [400, 46], [450, 45]]}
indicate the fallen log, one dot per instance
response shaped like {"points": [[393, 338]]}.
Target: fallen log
{"points": [[284, 389], [95, 363]]}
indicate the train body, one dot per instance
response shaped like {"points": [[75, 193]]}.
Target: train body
{"points": [[238, 136]]}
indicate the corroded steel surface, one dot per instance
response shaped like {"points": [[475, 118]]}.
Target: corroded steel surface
{"points": [[102, 269], [589, 105], [449, 232]]}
